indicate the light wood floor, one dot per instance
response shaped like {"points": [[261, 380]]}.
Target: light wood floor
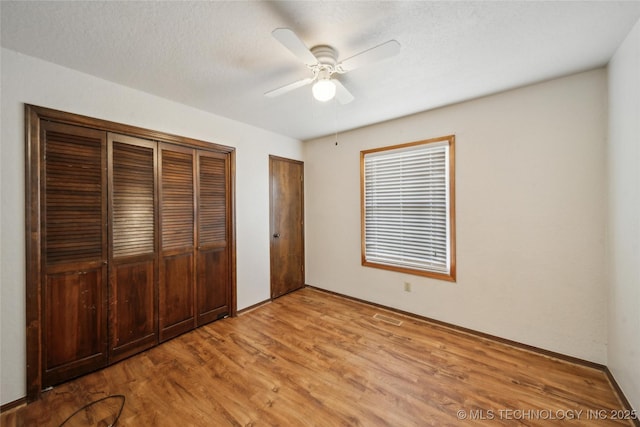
{"points": [[315, 359]]}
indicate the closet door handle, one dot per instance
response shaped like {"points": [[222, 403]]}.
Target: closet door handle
{"points": [[275, 236]]}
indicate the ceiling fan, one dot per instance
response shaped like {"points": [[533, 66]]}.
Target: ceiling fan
{"points": [[322, 61]]}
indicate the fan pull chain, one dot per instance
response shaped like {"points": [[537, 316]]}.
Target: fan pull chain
{"points": [[335, 120]]}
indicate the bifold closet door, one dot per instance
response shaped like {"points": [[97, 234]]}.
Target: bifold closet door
{"points": [[213, 272], [177, 240], [74, 251], [133, 262]]}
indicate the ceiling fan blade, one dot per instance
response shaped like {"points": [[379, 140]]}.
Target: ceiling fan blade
{"points": [[286, 88], [291, 41], [342, 93], [375, 54]]}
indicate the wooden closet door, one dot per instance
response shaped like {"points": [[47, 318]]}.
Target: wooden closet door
{"points": [[213, 273], [177, 238], [133, 320], [74, 251]]}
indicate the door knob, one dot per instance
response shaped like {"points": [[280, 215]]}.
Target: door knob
{"points": [[276, 235]]}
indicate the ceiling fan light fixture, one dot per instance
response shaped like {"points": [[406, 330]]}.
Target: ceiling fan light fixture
{"points": [[324, 90]]}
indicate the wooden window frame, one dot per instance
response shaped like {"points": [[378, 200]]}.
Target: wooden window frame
{"points": [[451, 275]]}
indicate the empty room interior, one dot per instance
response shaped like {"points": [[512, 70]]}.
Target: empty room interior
{"points": [[381, 213]]}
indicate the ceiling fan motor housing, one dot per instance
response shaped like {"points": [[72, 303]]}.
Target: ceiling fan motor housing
{"points": [[326, 56]]}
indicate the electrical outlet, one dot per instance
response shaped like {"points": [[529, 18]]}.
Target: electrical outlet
{"points": [[407, 287]]}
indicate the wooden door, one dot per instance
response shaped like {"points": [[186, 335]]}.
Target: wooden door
{"points": [[286, 184], [213, 282], [74, 251], [177, 238], [133, 264]]}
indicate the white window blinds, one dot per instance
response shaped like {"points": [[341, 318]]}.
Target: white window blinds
{"points": [[406, 207]]}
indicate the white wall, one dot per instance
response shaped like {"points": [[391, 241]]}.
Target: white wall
{"points": [[29, 80], [624, 217], [530, 182]]}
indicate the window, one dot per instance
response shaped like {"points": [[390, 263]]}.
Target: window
{"points": [[407, 202]]}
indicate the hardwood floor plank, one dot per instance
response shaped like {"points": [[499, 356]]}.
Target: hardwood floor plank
{"points": [[312, 358]]}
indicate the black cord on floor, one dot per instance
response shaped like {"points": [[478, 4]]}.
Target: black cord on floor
{"points": [[113, 396]]}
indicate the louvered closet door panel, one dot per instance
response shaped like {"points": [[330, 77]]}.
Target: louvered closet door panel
{"points": [[177, 198], [132, 196], [213, 280], [212, 199], [74, 202], [73, 192], [133, 285], [177, 222]]}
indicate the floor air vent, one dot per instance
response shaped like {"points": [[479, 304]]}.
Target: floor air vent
{"points": [[387, 319]]}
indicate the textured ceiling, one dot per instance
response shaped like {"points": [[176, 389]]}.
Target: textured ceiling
{"points": [[220, 57]]}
